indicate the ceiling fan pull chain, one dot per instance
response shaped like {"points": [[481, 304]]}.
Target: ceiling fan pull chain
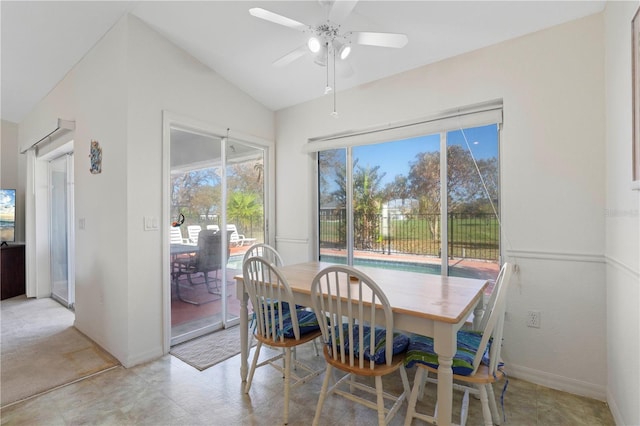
{"points": [[335, 89], [327, 88]]}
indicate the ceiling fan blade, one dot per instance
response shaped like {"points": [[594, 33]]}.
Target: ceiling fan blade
{"points": [[277, 19], [291, 56], [341, 9], [380, 39]]}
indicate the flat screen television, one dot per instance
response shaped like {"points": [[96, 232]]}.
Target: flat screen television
{"points": [[7, 215]]}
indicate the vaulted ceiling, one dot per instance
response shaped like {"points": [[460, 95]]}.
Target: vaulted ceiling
{"points": [[42, 40]]}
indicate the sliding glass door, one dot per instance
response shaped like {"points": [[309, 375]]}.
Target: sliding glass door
{"points": [[61, 229], [217, 206], [426, 204]]}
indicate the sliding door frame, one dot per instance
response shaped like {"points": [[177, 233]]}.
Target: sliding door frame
{"points": [[172, 120]]}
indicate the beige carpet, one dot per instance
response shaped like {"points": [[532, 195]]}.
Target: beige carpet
{"points": [[209, 350], [41, 350]]}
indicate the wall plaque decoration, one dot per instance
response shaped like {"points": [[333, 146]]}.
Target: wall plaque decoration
{"points": [[95, 154]]}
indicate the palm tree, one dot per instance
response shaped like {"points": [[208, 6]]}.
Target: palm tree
{"points": [[243, 207]]}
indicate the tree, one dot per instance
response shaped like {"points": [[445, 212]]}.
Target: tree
{"points": [[398, 189], [424, 185], [244, 207], [465, 190], [330, 164], [185, 187], [367, 200], [205, 199], [246, 177]]}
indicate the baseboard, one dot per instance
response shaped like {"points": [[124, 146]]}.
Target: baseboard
{"points": [[143, 357], [557, 382], [613, 407]]}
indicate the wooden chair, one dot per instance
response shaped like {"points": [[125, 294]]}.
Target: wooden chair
{"points": [[272, 255], [477, 363], [265, 251], [353, 343], [278, 323]]}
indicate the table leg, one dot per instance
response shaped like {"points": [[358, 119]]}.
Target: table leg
{"points": [[244, 330], [478, 312], [445, 346]]}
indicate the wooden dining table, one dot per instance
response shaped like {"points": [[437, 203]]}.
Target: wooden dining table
{"points": [[425, 304]]}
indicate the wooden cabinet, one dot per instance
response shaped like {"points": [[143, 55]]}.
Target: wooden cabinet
{"points": [[12, 277]]}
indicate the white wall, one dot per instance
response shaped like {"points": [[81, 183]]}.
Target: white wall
{"points": [[116, 95], [622, 216], [12, 166], [163, 77], [552, 149]]}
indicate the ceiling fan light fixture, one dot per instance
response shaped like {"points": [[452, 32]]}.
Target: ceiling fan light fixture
{"points": [[344, 50], [314, 44], [321, 56]]}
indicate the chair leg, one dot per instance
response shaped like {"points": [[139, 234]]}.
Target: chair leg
{"points": [[413, 399], [495, 415], [464, 411], [380, 401], [423, 384], [287, 380], [253, 367], [405, 382], [486, 412], [323, 394]]}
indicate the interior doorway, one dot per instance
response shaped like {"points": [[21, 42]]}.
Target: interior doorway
{"points": [[61, 230]]}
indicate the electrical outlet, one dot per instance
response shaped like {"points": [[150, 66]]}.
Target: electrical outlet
{"points": [[533, 319]]}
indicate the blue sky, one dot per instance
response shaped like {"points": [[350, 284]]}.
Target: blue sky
{"points": [[394, 157]]}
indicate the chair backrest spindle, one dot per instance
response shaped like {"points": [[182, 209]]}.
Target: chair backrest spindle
{"points": [[347, 301], [271, 298]]}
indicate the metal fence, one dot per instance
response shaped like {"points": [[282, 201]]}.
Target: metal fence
{"points": [[470, 236]]}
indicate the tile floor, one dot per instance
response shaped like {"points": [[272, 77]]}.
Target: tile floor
{"points": [[169, 392]]}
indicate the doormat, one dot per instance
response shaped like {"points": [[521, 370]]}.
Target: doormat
{"points": [[211, 349]]}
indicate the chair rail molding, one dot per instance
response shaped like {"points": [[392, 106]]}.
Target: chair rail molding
{"points": [[557, 256], [615, 263], [292, 240]]}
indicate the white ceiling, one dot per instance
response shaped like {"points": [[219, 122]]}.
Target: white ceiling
{"points": [[42, 41]]}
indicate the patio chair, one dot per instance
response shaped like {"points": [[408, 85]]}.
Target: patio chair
{"points": [[175, 235], [193, 231], [347, 303], [208, 258], [278, 323], [476, 364], [236, 238]]}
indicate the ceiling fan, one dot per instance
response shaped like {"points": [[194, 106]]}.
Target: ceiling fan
{"points": [[326, 39]]}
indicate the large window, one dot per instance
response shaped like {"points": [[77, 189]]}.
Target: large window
{"points": [[383, 204]]}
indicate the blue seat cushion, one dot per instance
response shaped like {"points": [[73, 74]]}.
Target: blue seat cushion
{"points": [[421, 351], [379, 352], [307, 321]]}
